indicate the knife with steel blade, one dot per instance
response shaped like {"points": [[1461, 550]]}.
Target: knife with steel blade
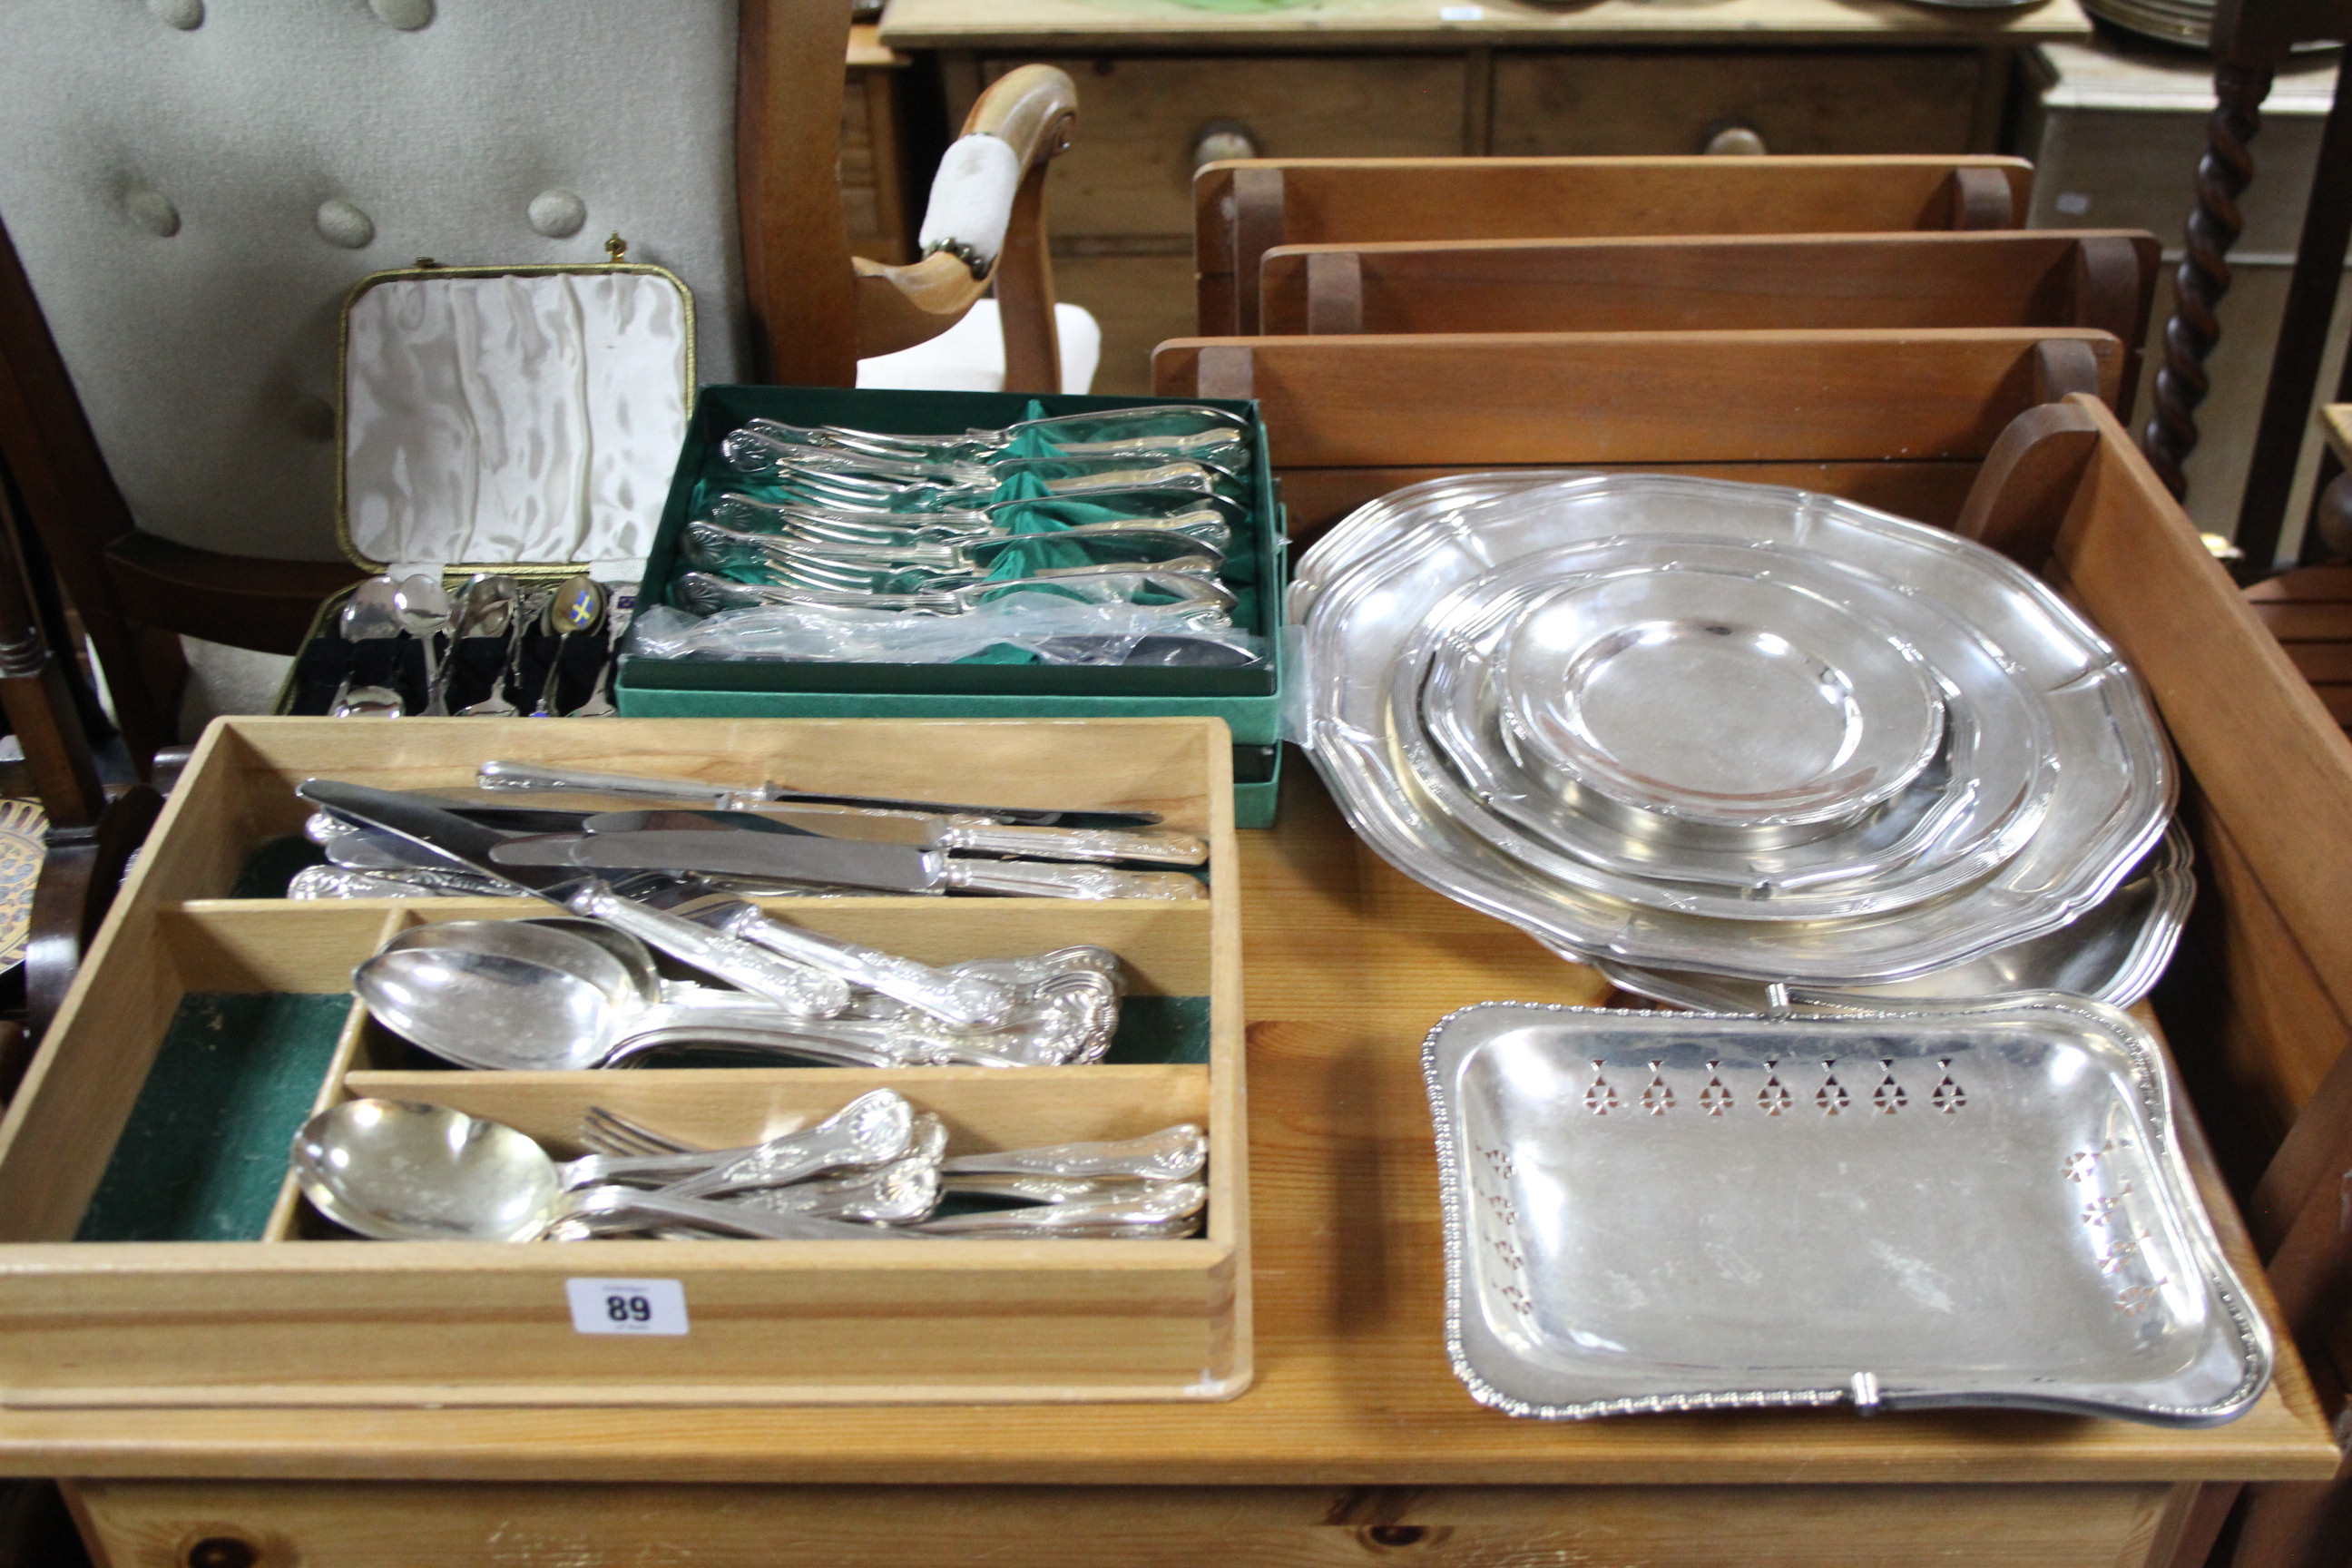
{"points": [[814, 980], [1150, 848], [843, 862], [519, 777]]}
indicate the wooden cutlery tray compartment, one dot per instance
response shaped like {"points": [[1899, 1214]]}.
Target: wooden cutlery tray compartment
{"points": [[153, 1251]]}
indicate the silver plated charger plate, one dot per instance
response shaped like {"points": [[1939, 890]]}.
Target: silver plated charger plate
{"points": [[2115, 782], [1935, 837], [1651, 1212], [2113, 953]]}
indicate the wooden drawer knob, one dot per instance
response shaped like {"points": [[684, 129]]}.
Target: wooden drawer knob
{"points": [[223, 1551], [1736, 140], [1223, 139]]}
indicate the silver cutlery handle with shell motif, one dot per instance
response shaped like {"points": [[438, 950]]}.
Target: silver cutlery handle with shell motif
{"points": [[1078, 844], [795, 987], [1037, 880], [963, 1001]]}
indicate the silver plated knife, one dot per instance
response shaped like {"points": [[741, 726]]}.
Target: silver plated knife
{"points": [[843, 862], [520, 776], [814, 981], [1107, 844]]}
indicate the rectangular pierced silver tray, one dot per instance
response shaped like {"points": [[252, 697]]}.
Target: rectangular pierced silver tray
{"points": [[1675, 1210]]}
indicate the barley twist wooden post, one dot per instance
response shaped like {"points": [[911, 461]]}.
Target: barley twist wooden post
{"points": [[2222, 175]]}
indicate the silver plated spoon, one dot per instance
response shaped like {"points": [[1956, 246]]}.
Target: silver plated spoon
{"points": [[510, 995], [423, 604], [498, 607], [400, 1170], [372, 615]]}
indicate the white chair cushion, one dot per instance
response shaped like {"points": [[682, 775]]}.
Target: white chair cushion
{"points": [[969, 355]]}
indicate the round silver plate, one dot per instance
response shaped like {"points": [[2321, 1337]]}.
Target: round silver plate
{"points": [[1731, 700], [2113, 782], [1933, 838]]}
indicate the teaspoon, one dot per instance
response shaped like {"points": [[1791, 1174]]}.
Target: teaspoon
{"points": [[578, 607], [497, 607], [423, 604]]}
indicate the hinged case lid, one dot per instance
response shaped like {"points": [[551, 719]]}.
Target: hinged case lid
{"points": [[518, 420]]}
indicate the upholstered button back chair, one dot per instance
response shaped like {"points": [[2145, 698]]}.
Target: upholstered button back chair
{"points": [[191, 186]]}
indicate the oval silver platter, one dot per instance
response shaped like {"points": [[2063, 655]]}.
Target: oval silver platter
{"points": [[2113, 953], [2115, 784], [1654, 1212]]}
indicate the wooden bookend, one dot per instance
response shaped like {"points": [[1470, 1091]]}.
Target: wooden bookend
{"points": [[2019, 499]]}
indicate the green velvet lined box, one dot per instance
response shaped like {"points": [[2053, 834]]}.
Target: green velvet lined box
{"points": [[1247, 698]]}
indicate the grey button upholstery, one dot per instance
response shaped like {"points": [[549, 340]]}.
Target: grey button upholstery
{"points": [[557, 213], [340, 223]]}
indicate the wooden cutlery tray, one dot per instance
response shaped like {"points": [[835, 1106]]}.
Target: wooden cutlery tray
{"points": [[252, 996]]}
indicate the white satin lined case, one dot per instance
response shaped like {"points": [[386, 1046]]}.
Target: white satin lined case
{"points": [[511, 418]]}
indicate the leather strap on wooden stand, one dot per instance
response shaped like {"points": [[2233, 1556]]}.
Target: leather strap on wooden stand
{"points": [[1226, 371], [2063, 365], [1981, 199], [2107, 295], [1257, 228], [1335, 292]]}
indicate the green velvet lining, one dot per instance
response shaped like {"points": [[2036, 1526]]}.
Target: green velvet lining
{"points": [[272, 865], [1162, 1029], [204, 1150]]}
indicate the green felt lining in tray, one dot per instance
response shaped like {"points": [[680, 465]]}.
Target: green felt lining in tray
{"points": [[204, 1153]]}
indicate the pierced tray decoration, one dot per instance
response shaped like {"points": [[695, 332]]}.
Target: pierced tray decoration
{"points": [[1650, 1212]]}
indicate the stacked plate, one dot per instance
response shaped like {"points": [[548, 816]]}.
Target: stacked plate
{"points": [[1740, 732], [2175, 21]]}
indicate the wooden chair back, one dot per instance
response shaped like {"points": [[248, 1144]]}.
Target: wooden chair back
{"points": [[2014, 278], [2258, 1003], [1243, 208], [1895, 419], [815, 309]]}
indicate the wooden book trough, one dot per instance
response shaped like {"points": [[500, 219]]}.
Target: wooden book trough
{"points": [[1894, 418], [1243, 208]]}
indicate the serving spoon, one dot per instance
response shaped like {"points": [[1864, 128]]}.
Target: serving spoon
{"points": [[400, 1170], [514, 995]]}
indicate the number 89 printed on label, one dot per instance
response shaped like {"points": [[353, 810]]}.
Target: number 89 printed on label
{"points": [[627, 1306]]}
